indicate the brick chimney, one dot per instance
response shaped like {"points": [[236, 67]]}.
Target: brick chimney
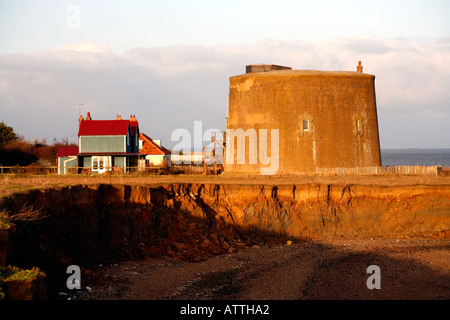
{"points": [[359, 68], [133, 117], [80, 119], [118, 117], [88, 117]]}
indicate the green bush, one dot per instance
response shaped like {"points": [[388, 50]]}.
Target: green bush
{"points": [[11, 273], [5, 221], [15, 274]]}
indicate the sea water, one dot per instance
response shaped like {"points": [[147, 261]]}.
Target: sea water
{"points": [[413, 157]]}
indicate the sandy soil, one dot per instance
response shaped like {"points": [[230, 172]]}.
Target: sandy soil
{"points": [[53, 180], [333, 269]]}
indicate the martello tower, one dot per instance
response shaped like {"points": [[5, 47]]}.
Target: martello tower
{"points": [[325, 119]]}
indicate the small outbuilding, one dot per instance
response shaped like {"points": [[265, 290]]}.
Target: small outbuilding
{"points": [[155, 154], [67, 159]]}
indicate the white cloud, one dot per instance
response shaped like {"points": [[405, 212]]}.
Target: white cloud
{"points": [[170, 87], [84, 47]]}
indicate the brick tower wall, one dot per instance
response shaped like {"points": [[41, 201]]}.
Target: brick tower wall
{"points": [[339, 107]]}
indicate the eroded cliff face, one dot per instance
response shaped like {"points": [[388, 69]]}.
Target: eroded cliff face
{"points": [[87, 224], [318, 211]]}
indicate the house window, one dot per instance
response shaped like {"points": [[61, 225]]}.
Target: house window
{"points": [[101, 164], [305, 125]]}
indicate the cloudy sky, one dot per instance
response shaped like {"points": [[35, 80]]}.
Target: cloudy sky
{"points": [[169, 62]]}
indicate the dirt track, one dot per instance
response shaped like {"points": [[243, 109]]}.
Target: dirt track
{"points": [[334, 269], [13, 183]]}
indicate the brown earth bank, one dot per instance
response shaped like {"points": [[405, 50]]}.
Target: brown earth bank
{"points": [[195, 224]]}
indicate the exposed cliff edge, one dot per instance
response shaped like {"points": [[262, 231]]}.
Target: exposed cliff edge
{"points": [[87, 224]]}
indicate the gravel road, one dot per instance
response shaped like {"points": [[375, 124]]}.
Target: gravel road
{"points": [[333, 269]]}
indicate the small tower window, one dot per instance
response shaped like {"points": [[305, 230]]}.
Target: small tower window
{"points": [[305, 125], [358, 125]]}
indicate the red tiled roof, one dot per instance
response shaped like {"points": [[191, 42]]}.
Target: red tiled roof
{"points": [[67, 152], [103, 128], [151, 148]]}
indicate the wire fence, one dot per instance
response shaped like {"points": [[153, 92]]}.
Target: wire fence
{"points": [[174, 169], [215, 169], [387, 170]]}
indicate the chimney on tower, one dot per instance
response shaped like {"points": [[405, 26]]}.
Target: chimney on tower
{"points": [[359, 68]]}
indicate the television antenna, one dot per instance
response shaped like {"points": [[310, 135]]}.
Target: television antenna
{"points": [[79, 107]]}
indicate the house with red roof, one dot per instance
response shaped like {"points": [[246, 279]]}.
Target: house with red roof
{"points": [[67, 159], [103, 145], [154, 153]]}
